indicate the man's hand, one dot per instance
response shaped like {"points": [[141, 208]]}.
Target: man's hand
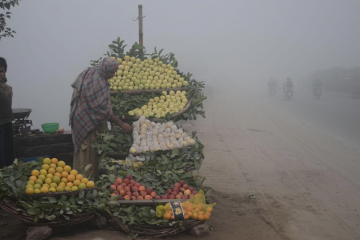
{"points": [[126, 127], [3, 78]]}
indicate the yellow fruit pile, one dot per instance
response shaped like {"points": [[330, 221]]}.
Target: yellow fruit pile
{"points": [[56, 176], [134, 74], [159, 107]]}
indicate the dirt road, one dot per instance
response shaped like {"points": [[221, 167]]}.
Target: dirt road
{"points": [[304, 184]]}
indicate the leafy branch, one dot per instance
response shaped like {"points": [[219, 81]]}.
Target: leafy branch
{"points": [[6, 4]]}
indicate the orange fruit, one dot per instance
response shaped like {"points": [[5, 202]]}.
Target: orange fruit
{"points": [[90, 184], [84, 180], [185, 212], [64, 174], [54, 161], [200, 206], [71, 178], [48, 180], [201, 218], [61, 164], [33, 178], [64, 180], [166, 216], [208, 214], [58, 175], [45, 166], [74, 172], [206, 217], [51, 170], [67, 168], [186, 217], [49, 176], [53, 166], [201, 213], [190, 214], [59, 169], [79, 177], [209, 209], [35, 173], [189, 209], [69, 184], [196, 210], [195, 216], [76, 182], [62, 184]]}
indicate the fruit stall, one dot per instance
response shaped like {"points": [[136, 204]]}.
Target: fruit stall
{"points": [[148, 183]]}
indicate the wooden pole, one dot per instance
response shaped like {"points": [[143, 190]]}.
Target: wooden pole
{"points": [[140, 26]]}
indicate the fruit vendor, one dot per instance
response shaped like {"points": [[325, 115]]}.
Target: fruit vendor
{"points": [[6, 118], [91, 109]]}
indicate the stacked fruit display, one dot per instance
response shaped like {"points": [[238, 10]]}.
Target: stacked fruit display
{"points": [[56, 176], [201, 212], [134, 74], [129, 189], [151, 136], [158, 107]]}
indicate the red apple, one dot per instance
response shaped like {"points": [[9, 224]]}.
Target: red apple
{"points": [[177, 185], [133, 198], [191, 189], [164, 197], [175, 189], [194, 192], [148, 197], [134, 189], [116, 184], [153, 194], [132, 181], [123, 184], [182, 182], [116, 192], [143, 193], [169, 190], [127, 189], [174, 193], [127, 197], [142, 188], [130, 185], [129, 194], [180, 193], [137, 185], [122, 192], [119, 188], [157, 197], [119, 180], [185, 186], [127, 181], [167, 194], [140, 198], [182, 189], [113, 187], [178, 197], [184, 197], [136, 194], [171, 197], [149, 190], [129, 177]]}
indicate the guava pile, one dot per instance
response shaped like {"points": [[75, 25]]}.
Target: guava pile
{"points": [[151, 136], [160, 106], [134, 74]]}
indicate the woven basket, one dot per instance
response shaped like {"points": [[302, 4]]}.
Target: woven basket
{"points": [[153, 230], [76, 219]]}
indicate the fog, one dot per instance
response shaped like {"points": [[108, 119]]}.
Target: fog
{"points": [[245, 42]]}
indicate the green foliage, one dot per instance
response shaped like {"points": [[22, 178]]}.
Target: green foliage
{"points": [[166, 59], [115, 140], [6, 4]]}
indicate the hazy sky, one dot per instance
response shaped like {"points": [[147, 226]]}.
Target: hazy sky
{"points": [[242, 41]]}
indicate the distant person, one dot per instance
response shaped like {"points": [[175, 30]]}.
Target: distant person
{"points": [[289, 85], [90, 111], [317, 85], [3, 85], [272, 86]]}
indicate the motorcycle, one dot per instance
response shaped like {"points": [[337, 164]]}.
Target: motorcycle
{"points": [[317, 93], [272, 90], [288, 93]]}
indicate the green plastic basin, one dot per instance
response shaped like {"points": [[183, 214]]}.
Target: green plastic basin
{"points": [[50, 127]]}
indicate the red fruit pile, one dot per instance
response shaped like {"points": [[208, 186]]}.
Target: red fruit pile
{"points": [[180, 191], [128, 189]]}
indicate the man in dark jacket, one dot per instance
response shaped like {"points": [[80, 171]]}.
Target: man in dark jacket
{"points": [[6, 131]]}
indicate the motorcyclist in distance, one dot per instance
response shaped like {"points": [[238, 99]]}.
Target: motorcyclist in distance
{"points": [[317, 85], [288, 85], [272, 85]]}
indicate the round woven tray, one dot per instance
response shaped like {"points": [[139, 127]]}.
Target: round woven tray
{"points": [[60, 194], [114, 92], [163, 230], [76, 219]]}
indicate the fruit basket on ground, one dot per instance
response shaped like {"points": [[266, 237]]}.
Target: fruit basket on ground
{"points": [[18, 188]]}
